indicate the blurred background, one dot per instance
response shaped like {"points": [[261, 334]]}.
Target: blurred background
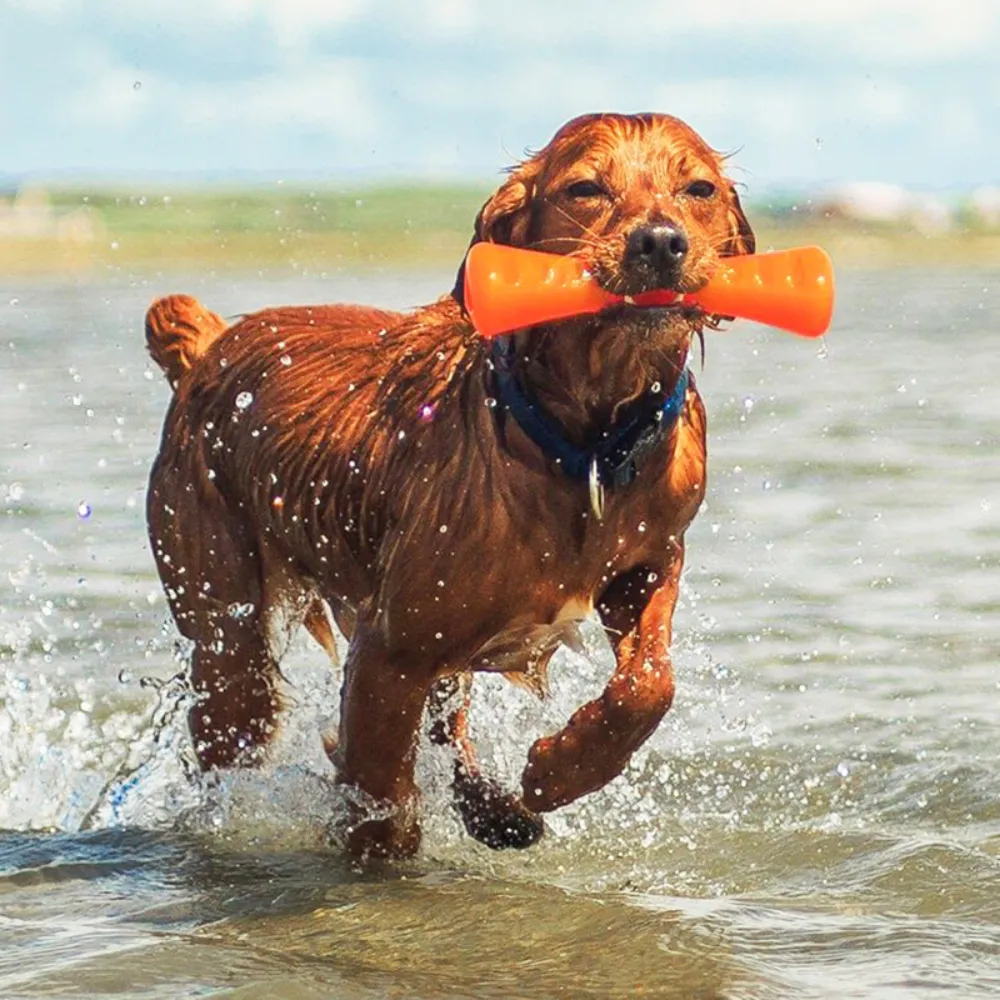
{"points": [[293, 132], [818, 817]]}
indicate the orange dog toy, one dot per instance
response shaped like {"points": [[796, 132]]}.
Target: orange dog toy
{"points": [[508, 289]]}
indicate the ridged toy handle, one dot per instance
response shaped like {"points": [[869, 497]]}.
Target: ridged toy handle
{"points": [[789, 289], [507, 288]]}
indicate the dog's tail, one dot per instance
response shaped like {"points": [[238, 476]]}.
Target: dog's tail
{"points": [[179, 329]]}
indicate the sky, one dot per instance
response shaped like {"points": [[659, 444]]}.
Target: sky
{"points": [[807, 93]]}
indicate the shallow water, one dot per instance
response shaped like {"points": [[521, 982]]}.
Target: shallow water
{"points": [[819, 816]]}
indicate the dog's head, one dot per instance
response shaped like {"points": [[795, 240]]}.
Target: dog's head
{"points": [[642, 199]]}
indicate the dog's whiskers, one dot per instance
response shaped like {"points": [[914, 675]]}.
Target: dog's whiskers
{"points": [[562, 211]]}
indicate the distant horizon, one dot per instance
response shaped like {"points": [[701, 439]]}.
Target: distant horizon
{"points": [[68, 179]]}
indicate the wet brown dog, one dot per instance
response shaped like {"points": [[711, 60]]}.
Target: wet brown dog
{"points": [[350, 461]]}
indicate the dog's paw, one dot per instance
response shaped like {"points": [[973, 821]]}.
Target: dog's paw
{"points": [[368, 829], [494, 817], [384, 838]]}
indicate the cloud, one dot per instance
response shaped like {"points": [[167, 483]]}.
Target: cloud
{"points": [[807, 92], [880, 102], [109, 95], [331, 97], [288, 22]]}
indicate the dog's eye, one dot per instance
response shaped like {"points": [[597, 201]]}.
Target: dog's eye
{"points": [[585, 189], [700, 189]]}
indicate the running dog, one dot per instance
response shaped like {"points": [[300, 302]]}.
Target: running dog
{"points": [[452, 504]]}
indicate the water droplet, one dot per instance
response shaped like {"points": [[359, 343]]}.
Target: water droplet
{"points": [[491, 403], [843, 769], [748, 404], [401, 435], [427, 412], [286, 360], [642, 526], [278, 502], [443, 528], [243, 400], [137, 85], [438, 635], [655, 387], [83, 510]]}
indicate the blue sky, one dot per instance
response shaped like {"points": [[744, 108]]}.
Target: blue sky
{"points": [[809, 91]]}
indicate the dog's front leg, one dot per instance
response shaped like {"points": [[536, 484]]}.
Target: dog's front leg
{"points": [[493, 816], [600, 738], [380, 715]]}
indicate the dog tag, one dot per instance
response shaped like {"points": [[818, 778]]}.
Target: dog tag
{"points": [[596, 489]]}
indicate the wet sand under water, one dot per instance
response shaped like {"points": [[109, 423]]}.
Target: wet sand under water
{"points": [[819, 816]]}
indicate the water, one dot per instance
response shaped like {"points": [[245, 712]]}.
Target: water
{"points": [[819, 816]]}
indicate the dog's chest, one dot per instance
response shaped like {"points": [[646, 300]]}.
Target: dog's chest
{"points": [[522, 650], [548, 602]]}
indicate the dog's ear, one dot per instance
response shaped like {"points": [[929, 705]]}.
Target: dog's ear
{"points": [[742, 239], [506, 217]]}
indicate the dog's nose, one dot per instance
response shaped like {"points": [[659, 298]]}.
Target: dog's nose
{"points": [[662, 246]]}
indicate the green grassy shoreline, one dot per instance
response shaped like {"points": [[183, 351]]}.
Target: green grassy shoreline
{"points": [[282, 230]]}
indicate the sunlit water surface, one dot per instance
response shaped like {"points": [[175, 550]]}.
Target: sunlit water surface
{"points": [[819, 816]]}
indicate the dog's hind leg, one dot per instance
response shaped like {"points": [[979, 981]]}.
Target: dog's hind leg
{"points": [[211, 571], [234, 676], [320, 627], [491, 815]]}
